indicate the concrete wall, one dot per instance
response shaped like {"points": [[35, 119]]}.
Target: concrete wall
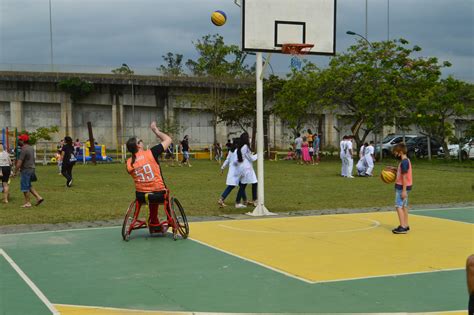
{"points": [[4, 114]]}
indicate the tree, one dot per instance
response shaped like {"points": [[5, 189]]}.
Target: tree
{"points": [[125, 70], [216, 59], [377, 84], [298, 96], [447, 99], [76, 87], [174, 65], [42, 133]]}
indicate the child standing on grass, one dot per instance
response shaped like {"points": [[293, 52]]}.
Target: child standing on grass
{"points": [[305, 151], [403, 186]]}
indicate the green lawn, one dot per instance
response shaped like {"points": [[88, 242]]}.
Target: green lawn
{"points": [[103, 192]]}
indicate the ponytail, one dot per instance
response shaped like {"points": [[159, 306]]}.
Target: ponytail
{"points": [[132, 147]]}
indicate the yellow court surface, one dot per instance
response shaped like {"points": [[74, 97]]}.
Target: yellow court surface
{"points": [[344, 246]]}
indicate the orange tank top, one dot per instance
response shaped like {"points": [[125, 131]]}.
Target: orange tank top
{"points": [[146, 172], [408, 176]]}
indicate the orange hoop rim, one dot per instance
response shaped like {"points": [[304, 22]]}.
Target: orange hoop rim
{"points": [[296, 49]]}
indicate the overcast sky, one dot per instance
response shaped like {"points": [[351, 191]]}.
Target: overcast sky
{"points": [[139, 32]]}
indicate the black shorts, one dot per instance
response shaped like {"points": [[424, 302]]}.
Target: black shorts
{"points": [[154, 197], [6, 171]]}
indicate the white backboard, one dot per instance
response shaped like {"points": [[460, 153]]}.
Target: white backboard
{"points": [[268, 24]]}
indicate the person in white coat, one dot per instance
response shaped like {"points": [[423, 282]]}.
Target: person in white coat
{"points": [[248, 175], [362, 164], [369, 158], [342, 146], [349, 161], [233, 176]]}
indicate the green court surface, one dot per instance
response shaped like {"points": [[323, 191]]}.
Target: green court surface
{"points": [[94, 267]]}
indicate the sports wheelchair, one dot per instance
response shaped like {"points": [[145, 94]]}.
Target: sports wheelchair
{"points": [[175, 218]]}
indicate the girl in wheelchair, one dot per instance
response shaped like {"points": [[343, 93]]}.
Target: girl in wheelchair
{"points": [[145, 170]]}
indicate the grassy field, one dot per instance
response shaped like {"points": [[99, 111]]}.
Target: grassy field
{"points": [[103, 191]]}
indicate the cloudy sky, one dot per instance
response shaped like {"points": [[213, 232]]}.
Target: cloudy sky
{"points": [[107, 33]]}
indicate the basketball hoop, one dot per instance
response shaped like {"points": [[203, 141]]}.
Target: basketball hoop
{"points": [[296, 50]]}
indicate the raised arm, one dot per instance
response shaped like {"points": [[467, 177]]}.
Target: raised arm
{"points": [[165, 139]]}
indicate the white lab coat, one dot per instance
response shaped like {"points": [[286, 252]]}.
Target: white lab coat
{"points": [[342, 155], [348, 158], [369, 151], [233, 176], [247, 175]]}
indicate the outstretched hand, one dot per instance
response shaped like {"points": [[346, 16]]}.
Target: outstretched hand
{"points": [[153, 126]]}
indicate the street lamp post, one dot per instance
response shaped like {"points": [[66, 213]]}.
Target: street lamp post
{"points": [[51, 37], [372, 47], [130, 72]]}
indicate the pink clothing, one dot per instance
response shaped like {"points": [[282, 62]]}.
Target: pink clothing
{"points": [[305, 152]]}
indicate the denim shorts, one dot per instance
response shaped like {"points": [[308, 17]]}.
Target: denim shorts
{"points": [[399, 202], [25, 180], [186, 155]]}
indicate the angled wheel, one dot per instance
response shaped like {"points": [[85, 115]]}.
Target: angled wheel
{"points": [[128, 220], [177, 211]]}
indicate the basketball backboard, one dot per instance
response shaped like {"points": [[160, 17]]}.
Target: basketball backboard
{"points": [[268, 24]]}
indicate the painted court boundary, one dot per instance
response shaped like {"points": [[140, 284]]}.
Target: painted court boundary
{"points": [[119, 226], [30, 283]]}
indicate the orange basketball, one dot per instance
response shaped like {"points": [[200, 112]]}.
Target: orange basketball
{"points": [[388, 175]]}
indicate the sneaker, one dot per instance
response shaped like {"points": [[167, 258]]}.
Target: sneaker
{"points": [[69, 183], [400, 230], [221, 203], [240, 206], [350, 176]]}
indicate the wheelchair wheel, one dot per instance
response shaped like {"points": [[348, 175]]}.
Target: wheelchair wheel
{"points": [[127, 222], [177, 211]]}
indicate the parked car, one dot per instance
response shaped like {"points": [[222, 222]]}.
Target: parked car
{"points": [[418, 147], [389, 142], [467, 151]]}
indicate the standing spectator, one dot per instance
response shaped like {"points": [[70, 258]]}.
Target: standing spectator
{"points": [[217, 151], [26, 165], [185, 150], [305, 151], [77, 147], [369, 158], [229, 146], [310, 137], [342, 155], [348, 157], [69, 160], [316, 146], [403, 185], [248, 175], [298, 143], [5, 171]]}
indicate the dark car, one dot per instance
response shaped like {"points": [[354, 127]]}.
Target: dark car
{"points": [[418, 147]]}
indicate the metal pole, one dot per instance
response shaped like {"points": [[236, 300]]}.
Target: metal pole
{"points": [[51, 37], [388, 20], [366, 18], [260, 209], [133, 109]]}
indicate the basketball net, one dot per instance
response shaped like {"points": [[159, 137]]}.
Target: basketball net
{"points": [[297, 51]]}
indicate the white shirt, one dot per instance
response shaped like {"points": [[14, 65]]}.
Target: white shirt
{"points": [[362, 152], [5, 159], [298, 143], [369, 151], [349, 148], [248, 175]]}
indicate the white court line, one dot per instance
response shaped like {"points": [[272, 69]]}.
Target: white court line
{"points": [[233, 220], [376, 224], [253, 261], [30, 283], [323, 281]]}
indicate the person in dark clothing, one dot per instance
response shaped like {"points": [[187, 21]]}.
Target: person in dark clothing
{"points": [[69, 160], [185, 151]]}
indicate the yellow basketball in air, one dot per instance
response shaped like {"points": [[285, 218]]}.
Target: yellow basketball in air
{"points": [[53, 160], [388, 176], [218, 18]]}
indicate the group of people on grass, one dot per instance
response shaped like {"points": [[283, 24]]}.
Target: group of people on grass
{"points": [[305, 149], [365, 165]]}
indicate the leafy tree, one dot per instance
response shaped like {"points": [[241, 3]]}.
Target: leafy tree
{"points": [[123, 70], [377, 84], [299, 96], [174, 65], [216, 59], [446, 100], [76, 87], [42, 133]]}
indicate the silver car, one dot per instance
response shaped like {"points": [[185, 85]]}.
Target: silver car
{"points": [[389, 142]]}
